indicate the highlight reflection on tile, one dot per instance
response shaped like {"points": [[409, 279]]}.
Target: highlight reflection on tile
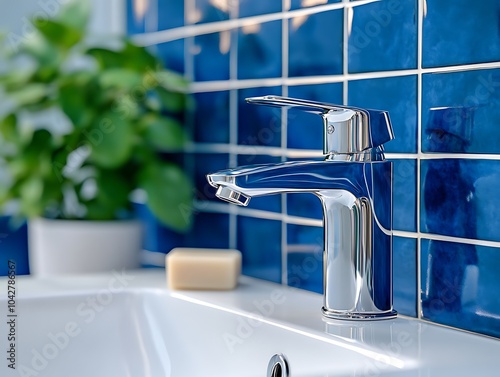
{"points": [[398, 95], [471, 122], [460, 284], [459, 198]]}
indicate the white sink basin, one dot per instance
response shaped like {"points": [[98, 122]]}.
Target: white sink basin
{"points": [[131, 325]]}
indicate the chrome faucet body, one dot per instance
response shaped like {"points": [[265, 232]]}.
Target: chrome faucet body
{"points": [[354, 185]]}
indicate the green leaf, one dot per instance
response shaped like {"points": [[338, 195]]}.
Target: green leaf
{"points": [[171, 81], [171, 101], [106, 58], [16, 79], [120, 78], [130, 57], [63, 36], [29, 94], [169, 194], [8, 128], [113, 189], [31, 192], [72, 98], [138, 58], [165, 134], [111, 139], [76, 14]]}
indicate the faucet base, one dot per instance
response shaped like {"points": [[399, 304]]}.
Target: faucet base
{"points": [[359, 316]]}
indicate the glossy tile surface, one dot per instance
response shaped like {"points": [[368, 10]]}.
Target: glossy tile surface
{"points": [[258, 125], [398, 95], [404, 275], [305, 257], [456, 33], [459, 198], [305, 130], [460, 285], [315, 44], [175, 11], [299, 4], [172, 55], [211, 126], [211, 56], [383, 36], [260, 243], [259, 50], [14, 246], [404, 195], [249, 8], [210, 11], [470, 123]]}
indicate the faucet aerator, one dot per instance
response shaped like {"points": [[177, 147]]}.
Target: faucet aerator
{"points": [[232, 196]]}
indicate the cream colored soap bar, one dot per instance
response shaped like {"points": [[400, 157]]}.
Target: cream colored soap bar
{"points": [[210, 269]]}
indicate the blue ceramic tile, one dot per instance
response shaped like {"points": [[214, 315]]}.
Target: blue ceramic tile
{"points": [[305, 257], [171, 54], [259, 51], [460, 285], [210, 11], [136, 18], [205, 164], [305, 130], [13, 246], [299, 4], [404, 195], [210, 230], [454, 32], [404, 272], [398, 95], [304, 205], [383, 36], [170, 14], [212, 117], [461, 112], [211, 56], [315, 44], [259, 241], [269, 202], [249, 8], [257, 124], [459, 198]]}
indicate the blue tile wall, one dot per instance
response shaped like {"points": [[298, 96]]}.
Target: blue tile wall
{"points": [[434, 65]]}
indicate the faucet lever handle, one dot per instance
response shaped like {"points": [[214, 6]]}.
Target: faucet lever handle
{"points": [[347, 130]]}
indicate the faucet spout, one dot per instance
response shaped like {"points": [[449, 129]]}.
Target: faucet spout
{"points": [[356, 200]]}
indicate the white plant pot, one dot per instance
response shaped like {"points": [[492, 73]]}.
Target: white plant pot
{"points": [[62, 247]]}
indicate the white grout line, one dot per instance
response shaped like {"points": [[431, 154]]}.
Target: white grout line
{"points": [[420, 18], [211, 86], [284, 141], [158, 37], [345, 53], [312, 153]]}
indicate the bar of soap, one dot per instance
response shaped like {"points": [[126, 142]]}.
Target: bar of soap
{"points": [[204, 269]]}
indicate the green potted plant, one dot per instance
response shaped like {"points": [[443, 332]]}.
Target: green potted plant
{"points": [[82, 126]]}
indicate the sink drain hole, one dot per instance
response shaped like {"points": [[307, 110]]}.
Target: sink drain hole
{"points": [[278, 366]]}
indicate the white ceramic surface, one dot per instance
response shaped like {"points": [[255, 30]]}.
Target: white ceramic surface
{"points": [[129, 324], [60, 247]]}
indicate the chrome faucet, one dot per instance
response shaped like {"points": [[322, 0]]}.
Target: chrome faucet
{"points": [[354, 184]]}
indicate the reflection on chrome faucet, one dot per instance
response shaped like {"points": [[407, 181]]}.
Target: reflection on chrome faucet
{"points": [[354, 184], [449, 212]]}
